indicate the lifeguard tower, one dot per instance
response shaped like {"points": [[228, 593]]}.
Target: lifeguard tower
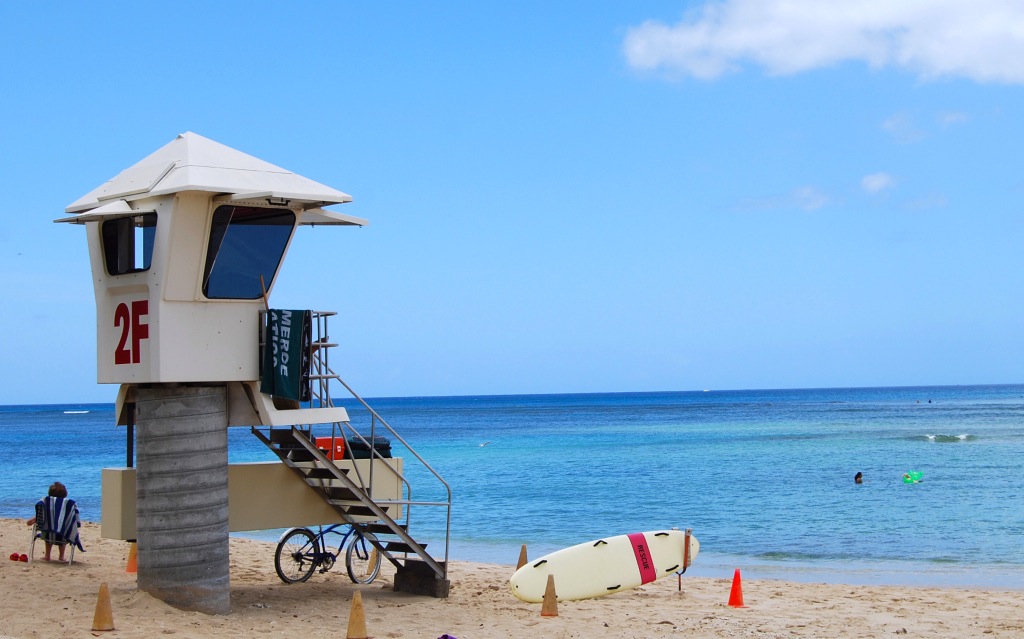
{"points": [[185, 247]]}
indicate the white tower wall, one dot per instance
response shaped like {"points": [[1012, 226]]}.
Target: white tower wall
{"points": [[156, 326]]}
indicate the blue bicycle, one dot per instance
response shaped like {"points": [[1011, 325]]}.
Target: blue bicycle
{"points": [[301, 551]]}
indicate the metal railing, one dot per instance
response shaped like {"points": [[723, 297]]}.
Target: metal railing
{"points": [[321, 375]]}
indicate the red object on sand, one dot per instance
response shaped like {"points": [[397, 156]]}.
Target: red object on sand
{"points": [[24, 558], [736, 596], [14, 556]]}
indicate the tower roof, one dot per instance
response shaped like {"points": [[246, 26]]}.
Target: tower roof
{"points": [[191, 162]]}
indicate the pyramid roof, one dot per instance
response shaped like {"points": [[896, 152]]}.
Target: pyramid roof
{"points": [[191, 162]]}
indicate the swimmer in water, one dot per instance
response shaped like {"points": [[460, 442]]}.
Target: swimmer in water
{"points": [[858, 478]]}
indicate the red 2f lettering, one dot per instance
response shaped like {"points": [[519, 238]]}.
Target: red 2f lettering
{"points": [[129, 320]]}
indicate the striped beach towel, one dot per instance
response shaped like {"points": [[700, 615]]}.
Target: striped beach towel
{"points": [[58, 522]]}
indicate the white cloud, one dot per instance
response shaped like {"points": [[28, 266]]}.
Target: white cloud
{"points": [[978, 39], [928, 202], [948, 118], [903, 128], [807, 198], [877, 182]]}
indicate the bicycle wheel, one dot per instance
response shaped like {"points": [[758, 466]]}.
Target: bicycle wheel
{"points": [[297, 556], [362, 560]]}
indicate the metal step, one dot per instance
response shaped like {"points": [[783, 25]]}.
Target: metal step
{"points": [[284, 435], [382, 529], [338, 494], [354, 510], [299, 455], [325, 482], [319, 472]]}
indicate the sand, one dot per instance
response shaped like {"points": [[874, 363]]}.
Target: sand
{"points": [[54, 600]]}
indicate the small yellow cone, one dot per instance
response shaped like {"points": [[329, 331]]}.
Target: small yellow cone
{"points": [[357, 619], [104, 617], [522, 557], [550, 606], [133, 559], [372, 562]]}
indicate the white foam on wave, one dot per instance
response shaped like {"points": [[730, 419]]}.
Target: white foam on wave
{"points": [[948, 438]]}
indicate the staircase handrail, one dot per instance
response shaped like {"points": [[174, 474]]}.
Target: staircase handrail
{"points": [[321, 373], [375, 417]]}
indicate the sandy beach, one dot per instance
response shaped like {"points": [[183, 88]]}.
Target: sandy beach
{"points": [[53, 600]]}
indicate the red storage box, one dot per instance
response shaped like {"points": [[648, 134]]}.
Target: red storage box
{"points": [[337, 451]]}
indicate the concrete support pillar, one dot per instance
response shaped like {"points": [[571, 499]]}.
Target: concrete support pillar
{"points": [[182, 496]]}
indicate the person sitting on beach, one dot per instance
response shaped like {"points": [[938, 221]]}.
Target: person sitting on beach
{"points": [[57, 518], [858, 478]]}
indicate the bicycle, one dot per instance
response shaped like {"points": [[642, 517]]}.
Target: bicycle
{"points": [[301, 551]]}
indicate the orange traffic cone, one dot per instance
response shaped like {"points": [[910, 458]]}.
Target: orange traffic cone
{"points": [[736, 596], [522, 557], [104, 617], [550, 606], [357, 619], [133, 559]]}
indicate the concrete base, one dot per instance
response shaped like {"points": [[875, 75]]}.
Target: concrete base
{"points": [[182, 493], [417, 578]]}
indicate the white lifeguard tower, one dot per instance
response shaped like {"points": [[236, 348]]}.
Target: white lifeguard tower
{"points": [[185, 247]]}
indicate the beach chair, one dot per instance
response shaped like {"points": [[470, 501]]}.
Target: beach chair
{"points": [[57, 523]]}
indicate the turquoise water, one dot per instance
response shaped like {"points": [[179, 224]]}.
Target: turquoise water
{"points": [[764, 478]]}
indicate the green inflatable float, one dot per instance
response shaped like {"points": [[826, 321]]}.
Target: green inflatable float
{"points": [[912, 476]]}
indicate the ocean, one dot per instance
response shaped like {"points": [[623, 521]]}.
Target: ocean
{"points": [[763, 477]]}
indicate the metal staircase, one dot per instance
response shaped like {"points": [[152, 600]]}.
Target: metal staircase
{"points": [[352, 487]]}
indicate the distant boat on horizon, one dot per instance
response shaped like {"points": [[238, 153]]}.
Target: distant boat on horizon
{"points": [[75, 412]]}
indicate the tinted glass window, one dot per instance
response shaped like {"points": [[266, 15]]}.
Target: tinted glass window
{"points": [[245, 243], [128, 243]]}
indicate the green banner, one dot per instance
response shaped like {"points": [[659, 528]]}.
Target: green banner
{"points": [[286, 355]]}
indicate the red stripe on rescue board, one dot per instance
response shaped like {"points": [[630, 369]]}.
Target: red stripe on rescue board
{"points": [[643, 558]]}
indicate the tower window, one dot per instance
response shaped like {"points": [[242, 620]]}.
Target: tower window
{"points": [[245, 244], [128, 243]]}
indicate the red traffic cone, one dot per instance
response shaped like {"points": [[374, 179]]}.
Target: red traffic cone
{"points": [[736, 596]]}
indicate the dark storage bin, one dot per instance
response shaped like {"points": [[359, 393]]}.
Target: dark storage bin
{"points": [[382, 445]]}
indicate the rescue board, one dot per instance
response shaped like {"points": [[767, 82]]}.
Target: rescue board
{"points": [[606, 566]]}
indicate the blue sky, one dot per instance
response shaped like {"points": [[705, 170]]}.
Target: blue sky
{"points": [[563, 197]]}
